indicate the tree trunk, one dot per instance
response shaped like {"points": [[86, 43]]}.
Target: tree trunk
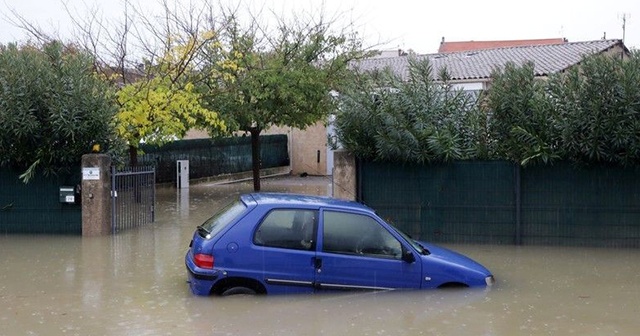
{"points": [[133, 156], [256, 163]]}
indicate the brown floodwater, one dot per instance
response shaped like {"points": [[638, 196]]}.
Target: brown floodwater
{"points": [[134, 283]]}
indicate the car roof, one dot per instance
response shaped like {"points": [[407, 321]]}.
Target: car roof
{"points": [[270, 198]]}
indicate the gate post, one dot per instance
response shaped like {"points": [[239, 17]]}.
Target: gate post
{"points": [[344, 175], [96, 195]]}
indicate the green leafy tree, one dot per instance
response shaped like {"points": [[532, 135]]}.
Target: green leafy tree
{"points": [[53, 108], [414, 119], [598, 110], [258, 78], [523, 124], [588, 114]]}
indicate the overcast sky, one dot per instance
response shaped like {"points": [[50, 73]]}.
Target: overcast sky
{"points": [[407, 24]]}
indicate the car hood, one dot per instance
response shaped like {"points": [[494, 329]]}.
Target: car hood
{"points": [[451, 257]]}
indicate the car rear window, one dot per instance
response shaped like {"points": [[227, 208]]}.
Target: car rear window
{"points": [[221, 219]]}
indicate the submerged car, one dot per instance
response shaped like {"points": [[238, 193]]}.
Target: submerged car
{"points": [[268, 243]]}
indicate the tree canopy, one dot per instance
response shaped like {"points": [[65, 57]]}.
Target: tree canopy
{"points": [[164, 104], [588, 114], [257, 78], [385, 117], [53, 107]]}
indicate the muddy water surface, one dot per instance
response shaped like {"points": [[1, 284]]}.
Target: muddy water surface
{"points": [[134, 284]]}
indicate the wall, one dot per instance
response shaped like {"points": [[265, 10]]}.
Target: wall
{"points": [[309, 150], [304, 146], [344, 179]]}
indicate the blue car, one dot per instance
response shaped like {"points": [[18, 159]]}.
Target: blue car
{"points": [[271, 243]]}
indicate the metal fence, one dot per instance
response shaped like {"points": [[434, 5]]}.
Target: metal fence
{"points": [[212, 157], [133, 195], [498, 202], [35, 207]]}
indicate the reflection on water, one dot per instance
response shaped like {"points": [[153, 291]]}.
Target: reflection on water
{"points": [[134, 284]]}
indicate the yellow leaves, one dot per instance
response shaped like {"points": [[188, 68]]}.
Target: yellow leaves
{"points": [[228, 64], [158, 111], [165, 104]]}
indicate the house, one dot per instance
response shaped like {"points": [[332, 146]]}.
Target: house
{"points": [[470, 70]]}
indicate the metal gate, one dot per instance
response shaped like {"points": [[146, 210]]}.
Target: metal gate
{"points": [[133, 197]]}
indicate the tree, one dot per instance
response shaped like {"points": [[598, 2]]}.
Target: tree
{"points": [[53, 108], [162, 107], [587, 114], [149, 58], [523, 124], [417, 119], [257, 78], [157, 101], [598, 110]]}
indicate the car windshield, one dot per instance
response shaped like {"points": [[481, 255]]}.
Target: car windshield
{"points": [[411, 241], [221, 219]]}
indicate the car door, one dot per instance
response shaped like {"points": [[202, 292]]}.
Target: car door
{"points": [[286, 244], [356, 251]]}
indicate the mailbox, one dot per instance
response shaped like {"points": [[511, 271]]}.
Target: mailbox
{"points": [[67, 195]]}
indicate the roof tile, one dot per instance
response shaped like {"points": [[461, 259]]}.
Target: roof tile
{"points": [[547, 59]]}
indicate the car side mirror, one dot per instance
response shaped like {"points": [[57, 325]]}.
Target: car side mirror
{"points": [[408, 256]]}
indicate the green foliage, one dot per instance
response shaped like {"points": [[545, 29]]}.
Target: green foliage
{"points": [[523, 125], [257, 78], [282, 79], [385, 117], [598, 109], [589, 114], [52, 108]]}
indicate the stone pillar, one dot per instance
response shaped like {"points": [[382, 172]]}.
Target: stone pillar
{"points": [[344, 175], [96, 195]]}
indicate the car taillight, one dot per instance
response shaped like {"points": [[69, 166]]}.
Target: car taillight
{"points": [[203, 260]]}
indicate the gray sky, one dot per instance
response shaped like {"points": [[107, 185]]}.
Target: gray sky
{"points": [[406, 24]]}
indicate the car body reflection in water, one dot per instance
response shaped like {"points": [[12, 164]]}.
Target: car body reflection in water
{"points": [[134, 283]]}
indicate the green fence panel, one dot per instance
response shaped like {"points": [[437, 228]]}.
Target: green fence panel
{"points": [[35, 207], [566, 204], [212, 157], [454, 202], [496, 202]]}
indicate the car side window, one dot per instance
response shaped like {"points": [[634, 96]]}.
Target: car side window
{"points": [[287, 228], [358, 234]]}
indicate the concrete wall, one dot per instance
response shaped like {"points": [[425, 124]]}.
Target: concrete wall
{"points": [[304, 146], [309, 150], [345, 175]]}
